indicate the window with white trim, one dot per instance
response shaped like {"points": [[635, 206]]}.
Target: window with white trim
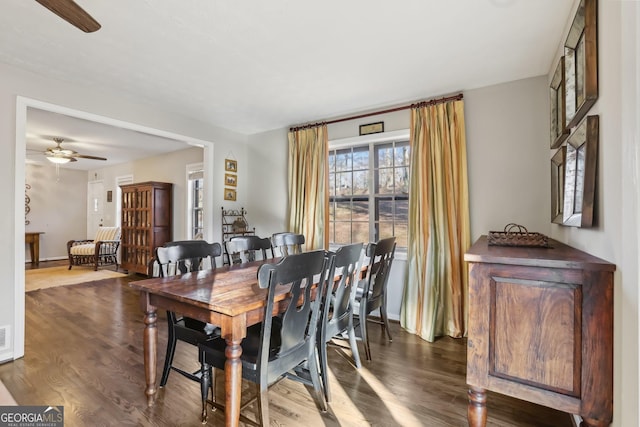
{"points": [[369, 190], [195, 202]]}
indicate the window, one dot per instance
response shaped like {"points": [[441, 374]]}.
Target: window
{"points": [[369, 191], [195, 185]]}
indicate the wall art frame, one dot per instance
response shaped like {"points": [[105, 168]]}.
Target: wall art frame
{"points": [[559, 131], [230, 179], [370, 128], [581, 63], [557, 184], [230, 194], [230, 165], [580, 174]]}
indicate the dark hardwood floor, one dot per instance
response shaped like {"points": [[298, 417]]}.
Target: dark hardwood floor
{"points": [[83, 350]]}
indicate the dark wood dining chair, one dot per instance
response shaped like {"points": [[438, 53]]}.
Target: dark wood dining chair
{"points": [[337, 307], [180, 257], [288, 243], [372, 295], [241, 249], [280, 346]]}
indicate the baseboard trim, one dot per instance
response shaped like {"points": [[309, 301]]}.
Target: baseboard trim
{"points": [[53, 258]]}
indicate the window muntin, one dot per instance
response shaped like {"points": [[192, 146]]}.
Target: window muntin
{"points": [[368, 192]]}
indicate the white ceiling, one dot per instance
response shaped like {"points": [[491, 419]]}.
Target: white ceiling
{"points": [[254, 65]]}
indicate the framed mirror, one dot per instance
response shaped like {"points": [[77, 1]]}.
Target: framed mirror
{"points": [[557, 185], [580, 174], [559, 130], [581, 63]]}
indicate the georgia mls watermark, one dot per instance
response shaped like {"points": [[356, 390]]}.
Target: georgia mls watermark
{"points": [[31, 416]]}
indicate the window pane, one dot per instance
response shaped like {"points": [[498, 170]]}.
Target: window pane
{"points": [[400, 231], [384, 158], [385, 210], [343, 211], [402, 180], [332, 211], [343, 160], [344, 184], [332, 231], [332, 161], [361, 183], [343, 232], [385, 181], [361, 211], [360, 232], [385, 229], [332, 184], [402, 211], [402, 154], [361, 158]]}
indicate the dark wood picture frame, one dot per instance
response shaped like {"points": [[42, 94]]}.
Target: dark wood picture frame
{"points": [[557, 184], [580, 174], [370, 128], [581, 63], [230, 179], [229, 194], [558, 131]]}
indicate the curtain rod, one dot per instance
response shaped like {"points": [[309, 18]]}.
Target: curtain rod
{"points": [[375, 113]]}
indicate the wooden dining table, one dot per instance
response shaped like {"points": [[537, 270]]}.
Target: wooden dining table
{"points": [[228, 297]]}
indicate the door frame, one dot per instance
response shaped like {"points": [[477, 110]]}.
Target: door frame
{"points": [[22, 105]]}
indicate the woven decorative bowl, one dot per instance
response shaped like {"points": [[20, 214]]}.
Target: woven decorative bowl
{"points": [[517, 235]]}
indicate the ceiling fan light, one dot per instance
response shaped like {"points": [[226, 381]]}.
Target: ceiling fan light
{"points": [[58, 160]]}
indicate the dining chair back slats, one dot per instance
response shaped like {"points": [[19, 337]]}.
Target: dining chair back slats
{"points": [[175, 258], [288, 243], [337, 307], [283, 345], [242, 249], [372, 295]]}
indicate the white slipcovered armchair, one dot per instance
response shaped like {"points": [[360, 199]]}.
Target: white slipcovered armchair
{"points": [[102, 250]]}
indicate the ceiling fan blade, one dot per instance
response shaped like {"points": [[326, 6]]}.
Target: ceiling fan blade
{"points": [[82, 156], [71, 12]]}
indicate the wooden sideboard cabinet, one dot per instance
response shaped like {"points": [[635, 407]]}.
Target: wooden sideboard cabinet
{"points": [[540, 329], [147, 218]]}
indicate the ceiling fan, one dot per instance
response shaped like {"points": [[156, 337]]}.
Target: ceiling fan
{"points": [[59, 155], [71, 12]]}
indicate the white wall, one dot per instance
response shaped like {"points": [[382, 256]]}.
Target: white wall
{"points": [[170, 167], [508, 156], [58, 208], [505, 123]]}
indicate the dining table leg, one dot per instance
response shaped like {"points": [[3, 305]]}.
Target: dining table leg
{"points": [[150, 344], [233, 381]]}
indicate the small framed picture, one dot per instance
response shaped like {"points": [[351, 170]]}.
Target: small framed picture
{"points": [[229, 194], [230, 165], [230, 179], [370, 128], [109, 196]]}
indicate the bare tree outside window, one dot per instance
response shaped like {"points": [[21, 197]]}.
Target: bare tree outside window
{"points": [[368, 192]]}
